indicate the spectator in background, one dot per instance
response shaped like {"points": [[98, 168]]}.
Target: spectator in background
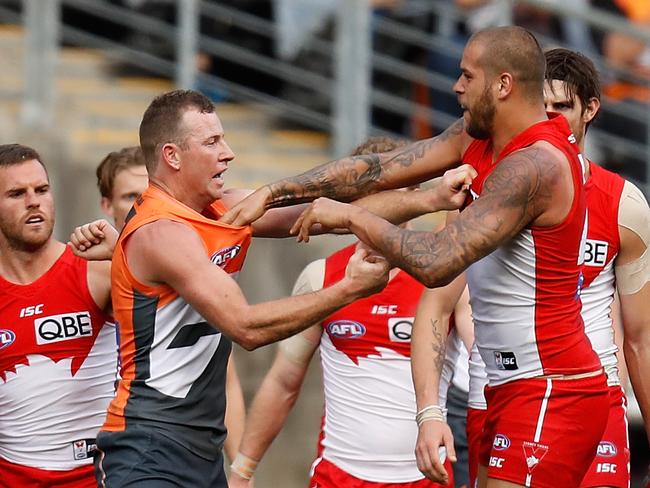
{"points": [[626, 84]]}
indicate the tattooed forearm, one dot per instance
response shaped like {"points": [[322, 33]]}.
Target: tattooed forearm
{"points": [[344, 179], [516, 192], [350, 178], [438, 345]]}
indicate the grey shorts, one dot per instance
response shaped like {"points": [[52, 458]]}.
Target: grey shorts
{"points": [[146, 457]]}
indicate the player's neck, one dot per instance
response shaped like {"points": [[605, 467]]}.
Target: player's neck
{"points": [[512, 121], [176, 190], [24, 267]]}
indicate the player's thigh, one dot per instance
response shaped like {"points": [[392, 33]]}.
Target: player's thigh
{"points": [[610, 467]]}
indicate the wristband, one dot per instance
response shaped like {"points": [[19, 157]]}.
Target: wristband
{"points": [[431, 412], [243, 466]]}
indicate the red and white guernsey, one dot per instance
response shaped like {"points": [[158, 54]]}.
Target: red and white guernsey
{"points": [[525, 295], [369, 429], [604, 190], [58, 360]]}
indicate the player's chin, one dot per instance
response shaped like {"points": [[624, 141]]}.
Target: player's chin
{"points": [[216, 191]]}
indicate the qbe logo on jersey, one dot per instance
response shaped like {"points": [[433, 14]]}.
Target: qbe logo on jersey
{"points": [[399, 329], [62, 327], [596, 253]]}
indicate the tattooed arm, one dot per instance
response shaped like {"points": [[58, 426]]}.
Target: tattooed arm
{"points": [[428, 341], [353, 177], [532, 186]]}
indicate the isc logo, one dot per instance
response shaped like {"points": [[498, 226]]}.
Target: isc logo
{"points": [[62, 327], [222, 256], [501, 442], [496, 462], [596, 253], [346, 329], [384, 309], [505, 360], [33, 310], [605, 468], [606, 449]]}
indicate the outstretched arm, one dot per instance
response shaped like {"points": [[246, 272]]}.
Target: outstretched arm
{"points": [[447, 193], [352, 177], [184, 265], [529, 186]]}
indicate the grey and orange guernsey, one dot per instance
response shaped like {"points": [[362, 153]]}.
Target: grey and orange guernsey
{"points": [[173, 362]]}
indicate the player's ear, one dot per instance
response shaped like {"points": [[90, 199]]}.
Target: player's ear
{"points": [[592, 108], [504, 85], [107, 206], [170, 155]]}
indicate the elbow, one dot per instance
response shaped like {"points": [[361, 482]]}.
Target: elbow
{"points": [[247, 338], [434, 279], [248, 342]]}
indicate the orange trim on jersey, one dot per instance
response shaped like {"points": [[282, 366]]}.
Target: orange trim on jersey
{"points": [[225, 245]]}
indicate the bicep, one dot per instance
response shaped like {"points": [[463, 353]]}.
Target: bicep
{"points": [[635, 311], [184, 265], [505, 207], [633, 260]]}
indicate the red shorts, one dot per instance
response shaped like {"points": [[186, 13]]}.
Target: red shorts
{"points": [[15, 475], [611, 466], [475, 421], [327, 475], [543, 432]]}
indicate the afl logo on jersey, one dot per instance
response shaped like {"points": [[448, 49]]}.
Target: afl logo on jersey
{"points": [[222, 256], [501, 442], [606, 449], [7, 338], [346, 329]]}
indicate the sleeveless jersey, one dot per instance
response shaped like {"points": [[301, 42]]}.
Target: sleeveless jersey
{"points": [[173, 362], [604, 190], [525, 296], [369, 427], [58, 362]]}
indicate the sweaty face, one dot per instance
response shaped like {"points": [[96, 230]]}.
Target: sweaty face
{"points": [[26, 206], [204, 156], [558, 100], [127, 186], [474, 95]]}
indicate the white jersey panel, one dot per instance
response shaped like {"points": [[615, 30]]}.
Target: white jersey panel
{"points": [[597, 301], [173, 371], [41, 401], [502, 296], [478, 380], [454, 367], [371, 404]]}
